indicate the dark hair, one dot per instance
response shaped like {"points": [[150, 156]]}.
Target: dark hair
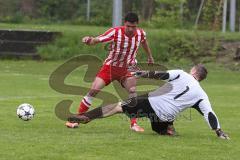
{"points": [[202, 71], [131, 17]]}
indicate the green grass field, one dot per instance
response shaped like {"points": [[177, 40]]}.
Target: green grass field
{"points": [[46, 137]]}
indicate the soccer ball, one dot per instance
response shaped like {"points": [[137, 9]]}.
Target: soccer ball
{"points": [[25, 111]]}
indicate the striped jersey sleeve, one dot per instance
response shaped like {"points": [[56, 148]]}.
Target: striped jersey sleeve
{"points": [[108, 36]]}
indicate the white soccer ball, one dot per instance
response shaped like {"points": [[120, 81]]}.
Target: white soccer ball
{"points": [[25, 111]]}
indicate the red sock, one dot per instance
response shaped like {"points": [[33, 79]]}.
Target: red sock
{"points": [[85, 104], [133, 121], [82, 108]]}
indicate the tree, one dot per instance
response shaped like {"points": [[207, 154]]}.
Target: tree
{"points": [[127, 6], [147, 9], [28, 7], [212, 16]]}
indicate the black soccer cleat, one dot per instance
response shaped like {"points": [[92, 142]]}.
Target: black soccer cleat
{"points": [[79, 118]]}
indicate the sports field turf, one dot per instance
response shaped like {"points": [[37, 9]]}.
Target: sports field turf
{"points": [[46, 137]]}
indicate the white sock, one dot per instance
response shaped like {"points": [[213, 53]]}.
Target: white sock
{"points": [[87, 100]]}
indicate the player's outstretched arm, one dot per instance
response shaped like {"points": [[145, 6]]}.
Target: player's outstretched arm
{"points": [[107, 37], [204, 108], [148, 52], [161, 75], [90, 40]]}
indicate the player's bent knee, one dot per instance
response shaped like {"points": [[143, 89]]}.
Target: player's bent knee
{"points": [[118, 108]]}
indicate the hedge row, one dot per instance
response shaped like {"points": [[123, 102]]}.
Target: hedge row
{"points": [[165, 44]]}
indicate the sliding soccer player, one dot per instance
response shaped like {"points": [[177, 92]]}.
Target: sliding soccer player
{"points": [[162, 106]]}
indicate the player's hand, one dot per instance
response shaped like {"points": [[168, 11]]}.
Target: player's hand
{"points": [[222, 135], [150, 60], [87, 40], [139, 73]]}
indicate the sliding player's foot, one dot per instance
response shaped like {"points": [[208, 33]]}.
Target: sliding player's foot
{"points": [[71, 125], [135, 127], [79, 118], [171, 131]]}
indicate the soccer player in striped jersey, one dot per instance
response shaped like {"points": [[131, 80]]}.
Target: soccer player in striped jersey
{"points": [[124, 43], [162, 106]]}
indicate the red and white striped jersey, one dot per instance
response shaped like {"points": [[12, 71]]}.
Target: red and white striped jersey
{"points": [[123, 49]]}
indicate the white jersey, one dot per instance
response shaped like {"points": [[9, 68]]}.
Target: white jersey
{"points": [[181, 92]]}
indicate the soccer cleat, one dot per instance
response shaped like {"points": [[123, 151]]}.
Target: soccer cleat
{"points": [[171, 131], [79, 118], [71, 125], [136, 128]]}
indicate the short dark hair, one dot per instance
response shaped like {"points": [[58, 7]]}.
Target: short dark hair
{"points": [[131, 17], [202, 71]]}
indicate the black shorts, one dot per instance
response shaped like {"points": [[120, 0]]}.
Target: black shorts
{"points": [[138, 107]]}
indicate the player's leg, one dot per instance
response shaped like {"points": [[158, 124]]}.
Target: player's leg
{"points": [[143, 108], [139, 110], [86, 102], [96, 87], [171, 130], [100, 112], [102, 79], [162, 128], [129, 84]]}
